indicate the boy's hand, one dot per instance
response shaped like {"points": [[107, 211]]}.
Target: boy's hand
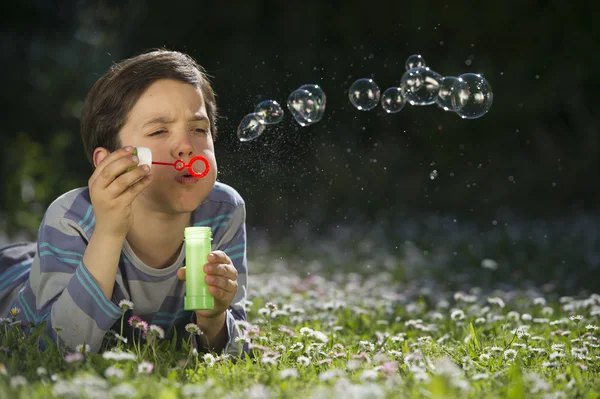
{"points": [[221, 278], [112, 191]]}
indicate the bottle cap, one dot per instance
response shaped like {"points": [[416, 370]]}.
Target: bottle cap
{"points": [[197, 232], [144, 154]]}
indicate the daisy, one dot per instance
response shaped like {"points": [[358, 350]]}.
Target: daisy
{"points": [[145, 368], [193, 329], [126, 305]]}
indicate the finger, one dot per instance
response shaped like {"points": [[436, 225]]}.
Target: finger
{"points": [[221, 282], [218, 257], [133, 191], [220, 294], [116, 169], [126, 180], [113, 156], [226, 270], [181, 273]]}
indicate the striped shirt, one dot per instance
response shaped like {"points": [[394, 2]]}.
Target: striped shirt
{"points": [[52, 283]]}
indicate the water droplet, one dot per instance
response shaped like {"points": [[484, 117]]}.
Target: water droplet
{"points": [[433, 175], [415, 61], [250, 127], [364, 94], [303, 106], [392, 100], [471, 96], [420, 85], [269, 112], [444, 97]]}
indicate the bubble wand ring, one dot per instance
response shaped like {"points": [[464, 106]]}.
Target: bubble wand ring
{"points": [[180, 165]]}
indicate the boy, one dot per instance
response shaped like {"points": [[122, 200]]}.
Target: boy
{"points": [[121, 237]]}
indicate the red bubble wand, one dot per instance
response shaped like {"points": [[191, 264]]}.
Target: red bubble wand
{"points": [[180, 165]]}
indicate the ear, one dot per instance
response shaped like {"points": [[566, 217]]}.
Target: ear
{"points": [[99, 154]]}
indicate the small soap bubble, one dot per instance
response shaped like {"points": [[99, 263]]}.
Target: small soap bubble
{"points": [[320, 97], [420, 86], [303, 106], [392, 100], [444, 97], [471, 96], [364, 94], [269, 112], [415, 61], [433, 175], [250, 127]]}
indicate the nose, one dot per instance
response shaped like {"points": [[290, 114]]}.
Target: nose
{"points": [[183, 148]]}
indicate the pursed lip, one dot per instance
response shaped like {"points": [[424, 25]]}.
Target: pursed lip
{"points": [[187, 179]]}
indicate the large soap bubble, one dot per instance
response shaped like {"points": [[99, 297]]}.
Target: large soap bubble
{"points": [[415, 61], [420, 86], [392, 100], [304, 107], [471, 96], [269, 111], [320, 99], [250, 127], [364, 94], [444, 97]]}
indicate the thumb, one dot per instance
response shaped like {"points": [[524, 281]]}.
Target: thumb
{"points": [[181, 273]]}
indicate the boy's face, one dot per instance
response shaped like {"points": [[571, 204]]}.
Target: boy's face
{"points": [[170, 118]]}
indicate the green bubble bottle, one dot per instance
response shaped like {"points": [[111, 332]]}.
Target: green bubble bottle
{"points": [[197, 247]]}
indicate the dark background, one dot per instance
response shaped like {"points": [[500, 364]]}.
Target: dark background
{"points": [[534, 156]]}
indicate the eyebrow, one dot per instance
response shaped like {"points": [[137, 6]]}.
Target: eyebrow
{"points": [[164, 119]]}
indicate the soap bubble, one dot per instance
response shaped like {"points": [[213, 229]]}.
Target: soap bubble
{"points": [[364, 94], [444, 97], [471, 96], [269, 111], [415, 61], [250, 127], [420, 86], [392, 100], [303, 106], [320, 97]]}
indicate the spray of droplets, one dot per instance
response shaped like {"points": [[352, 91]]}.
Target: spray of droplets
{"points": [[469, 95]]}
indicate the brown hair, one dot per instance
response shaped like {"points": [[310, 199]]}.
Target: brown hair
{"points": [[111, 98]]}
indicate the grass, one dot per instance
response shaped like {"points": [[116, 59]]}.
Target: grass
{"points": [[321, 330]]}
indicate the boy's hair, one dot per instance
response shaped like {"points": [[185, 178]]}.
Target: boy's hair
{"points": [[113, 96]]}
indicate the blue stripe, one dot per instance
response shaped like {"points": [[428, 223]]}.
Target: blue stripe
{"points": [[207, 221], [14, 272], [98, 291], [66, 260], [220, 224], [242, 245], [85, 229], [167, 314], [61, 251], [87, 215], [232, 257], [100, 304]]}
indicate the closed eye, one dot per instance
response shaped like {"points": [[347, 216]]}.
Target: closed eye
{"points": [[201, 130], [157, 133]]}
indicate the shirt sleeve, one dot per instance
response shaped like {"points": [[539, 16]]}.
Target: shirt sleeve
{"points": [[62, 292]]}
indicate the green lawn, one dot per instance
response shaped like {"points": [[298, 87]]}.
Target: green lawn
{"points": [[321, 331]]}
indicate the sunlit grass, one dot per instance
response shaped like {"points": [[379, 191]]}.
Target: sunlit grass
{"points": [[319, 330]]}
